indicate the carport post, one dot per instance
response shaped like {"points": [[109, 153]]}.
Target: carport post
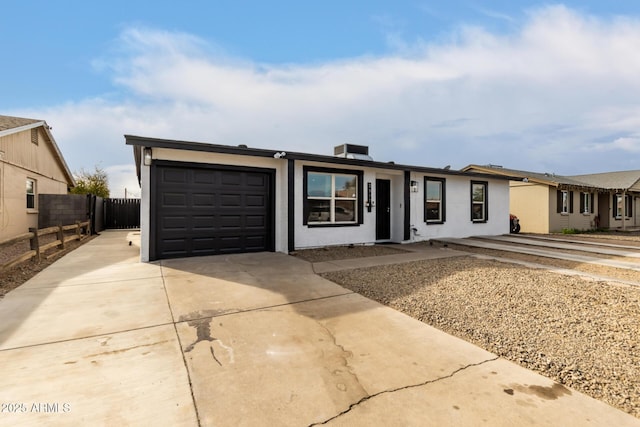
{"points": [[624, 210]]}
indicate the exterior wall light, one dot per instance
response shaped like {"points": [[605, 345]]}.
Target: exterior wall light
{"points": [[414, 186], [146, 156]]}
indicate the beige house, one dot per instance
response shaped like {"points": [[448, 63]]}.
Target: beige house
{"points": [[30, 164], [548, 203]]}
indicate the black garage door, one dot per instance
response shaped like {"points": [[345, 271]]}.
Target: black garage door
{"points": [[201, 210]]}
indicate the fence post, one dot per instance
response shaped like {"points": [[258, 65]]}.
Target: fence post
{"points": [[60, 236], [78, 230], [35, 245]]}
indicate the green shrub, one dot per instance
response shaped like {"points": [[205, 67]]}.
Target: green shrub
{"points": [[570, 231]]}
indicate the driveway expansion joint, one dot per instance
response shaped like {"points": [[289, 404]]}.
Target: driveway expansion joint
{"points": [[369, 397]]}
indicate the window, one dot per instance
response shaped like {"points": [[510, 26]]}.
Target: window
{"points": [[623, 203], [434, 199], [586, 203], [31, 194], [332, 197], [479, 205], [564, 202]]}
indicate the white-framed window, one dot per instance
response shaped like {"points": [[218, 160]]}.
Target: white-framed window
{"points": [[564, 207], [586, 203], [31, 193], [479, 205], [623, 204], [434, 199], [332, 196], [565, 202]]}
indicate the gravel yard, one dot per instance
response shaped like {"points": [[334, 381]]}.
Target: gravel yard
{"points": [[581, 333]]}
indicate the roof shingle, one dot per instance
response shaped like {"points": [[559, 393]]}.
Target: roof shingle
{"points": [[9, 122]]}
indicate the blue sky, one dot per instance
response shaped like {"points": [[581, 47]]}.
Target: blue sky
{"points": [[530, 85]]}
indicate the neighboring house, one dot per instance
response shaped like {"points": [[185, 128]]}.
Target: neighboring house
{"points": [[204, 199], [30, 164], [547, 203]]}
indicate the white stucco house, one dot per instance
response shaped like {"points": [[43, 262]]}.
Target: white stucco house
{"points": [[207, 199]]}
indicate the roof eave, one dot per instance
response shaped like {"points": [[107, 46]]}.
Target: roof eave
{"points": [[59, 155], [270, 153], [22, 128]]}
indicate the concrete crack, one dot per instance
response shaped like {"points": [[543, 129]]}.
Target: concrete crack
{"points": [[344, 355], [214, 355], [366, 398]]}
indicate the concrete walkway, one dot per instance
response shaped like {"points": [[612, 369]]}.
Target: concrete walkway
{"points": [[594, 242], [477, 243], [254, 339], [554, 244]]}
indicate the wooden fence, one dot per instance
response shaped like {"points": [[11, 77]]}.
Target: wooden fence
{"points": [[37, 249]]}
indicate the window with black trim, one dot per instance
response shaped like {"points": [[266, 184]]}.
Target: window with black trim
{"points": [[479, 205], [434, 200], [332, 197], [31, 194]]}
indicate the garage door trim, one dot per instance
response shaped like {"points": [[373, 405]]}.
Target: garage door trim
{"points": [[212, 166]]}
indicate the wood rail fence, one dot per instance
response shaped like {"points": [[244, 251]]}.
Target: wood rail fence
{"points": [[37, 249]]}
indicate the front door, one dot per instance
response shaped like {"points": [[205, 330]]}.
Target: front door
{"points": [[383, 209], [604, 210]]}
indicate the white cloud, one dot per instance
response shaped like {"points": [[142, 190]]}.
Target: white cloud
{"points": [[123, 181], [542, 97], [630, 145]]}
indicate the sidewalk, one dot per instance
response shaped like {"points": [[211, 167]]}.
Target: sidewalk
{"points": [[252, 339]]}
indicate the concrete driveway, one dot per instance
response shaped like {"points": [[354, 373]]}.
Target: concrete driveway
{"points": [[255, 339]]}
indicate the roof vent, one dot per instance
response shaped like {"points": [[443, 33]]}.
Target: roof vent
{"points": [[352, 151]]}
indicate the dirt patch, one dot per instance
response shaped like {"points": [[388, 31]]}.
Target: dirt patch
{"points": [[333, 253]]}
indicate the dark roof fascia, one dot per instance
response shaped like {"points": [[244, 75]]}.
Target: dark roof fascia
{"points": [[558, 181], [140, 141]]}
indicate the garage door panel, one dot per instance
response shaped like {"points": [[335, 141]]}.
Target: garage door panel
{"points": [[175, 246], [174, 176], [254, 242], [208, 211], [204, 176], [231, 222], [231, 200], [253, 221], [203, 244], [173, 223], [231, 244], [203, 200], [174, 199], [204, 222], [231, 178], [256, 200], [255, 180]]}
